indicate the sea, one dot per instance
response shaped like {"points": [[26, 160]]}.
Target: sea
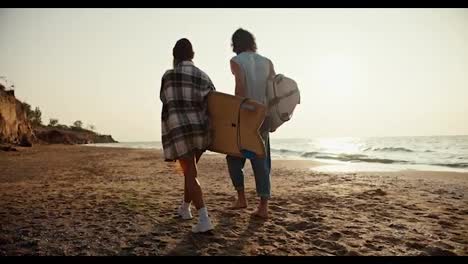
{"points": [[353, 154]]}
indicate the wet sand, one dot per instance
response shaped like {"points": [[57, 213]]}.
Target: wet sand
{"points": [[80, 200]]}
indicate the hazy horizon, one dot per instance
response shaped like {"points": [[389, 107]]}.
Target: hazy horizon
{"points": [[361, 72], [308, 138]]}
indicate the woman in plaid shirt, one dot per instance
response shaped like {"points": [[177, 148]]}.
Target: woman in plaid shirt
{"points": [[185, 125]]}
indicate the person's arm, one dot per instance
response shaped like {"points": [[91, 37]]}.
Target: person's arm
{"points": [[239, 76], [272, 70], [162, 95], [211, 86]]}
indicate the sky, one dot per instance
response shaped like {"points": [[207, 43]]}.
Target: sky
{"points": [[361, 72]]}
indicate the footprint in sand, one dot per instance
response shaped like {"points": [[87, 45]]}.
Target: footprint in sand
{"points": [[351, 233], [297, 211], [415, 245], [456, 218], [335, 247], [299, 226], [387, 239], [144, 244], [353, 244], [398, 226], [444, 245], [335, 236], [437, 251], [458, 239], [413, 220], [418, 213], [262, 241], [276, 208], [280, 221], [445, 224], [373, 246], [281, 240], [433, 216], [353, 253], [271, 228], [213, 251]]}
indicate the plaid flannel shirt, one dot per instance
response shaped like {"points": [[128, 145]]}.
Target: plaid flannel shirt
{"points": [[184, 118]]}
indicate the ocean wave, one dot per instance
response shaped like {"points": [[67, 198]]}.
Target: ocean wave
{"points": [[286, 151], [390, 149], [359, 158], [339, 157], [309, 154], [381, 155], [453, 165]]}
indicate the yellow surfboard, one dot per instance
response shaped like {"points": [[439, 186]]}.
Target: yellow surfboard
{"points": [[235, 123]]}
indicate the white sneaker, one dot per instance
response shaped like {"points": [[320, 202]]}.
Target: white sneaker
{"points": [[185, 213], [203, 225]]}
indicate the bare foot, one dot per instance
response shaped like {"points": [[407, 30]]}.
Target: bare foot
{"points": [[261, 213], [237, 204]]}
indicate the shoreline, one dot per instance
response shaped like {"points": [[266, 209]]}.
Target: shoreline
{"points": [[81, 200], [337, 166]]}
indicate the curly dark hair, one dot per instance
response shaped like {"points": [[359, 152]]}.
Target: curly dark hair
{"points": [[243, 40]]}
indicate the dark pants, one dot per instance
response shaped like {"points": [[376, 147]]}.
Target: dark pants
{"points": [[261, 169]]}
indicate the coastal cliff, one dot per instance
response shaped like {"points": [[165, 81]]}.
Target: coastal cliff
{"points": [[52, 135], [17, 129]]}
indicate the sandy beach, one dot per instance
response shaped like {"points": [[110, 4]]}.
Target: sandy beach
{"points": [[81, 200]]}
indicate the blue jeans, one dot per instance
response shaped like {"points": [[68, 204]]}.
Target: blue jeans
{"points": [[261, 169]]}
